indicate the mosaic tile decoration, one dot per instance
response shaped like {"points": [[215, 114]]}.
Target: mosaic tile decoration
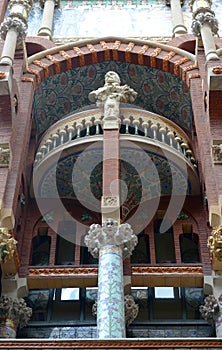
{"points": [[159, 92], [105, 18]]}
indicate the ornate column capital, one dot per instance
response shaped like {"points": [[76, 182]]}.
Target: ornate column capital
{"points": [[215, 243], [211, 309], [110, 233], [17, 19], [7, 245], [204, 16], [14, 313]]}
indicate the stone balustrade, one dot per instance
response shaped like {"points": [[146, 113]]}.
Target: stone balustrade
{"points": [[133, 122]]}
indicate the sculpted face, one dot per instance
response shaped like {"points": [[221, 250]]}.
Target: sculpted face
{"points": [[112, 77]]}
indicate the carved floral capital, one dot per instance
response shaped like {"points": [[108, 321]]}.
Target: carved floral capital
{"points": [[7, 245], [110, 233], [201, 18], [15, 24], [215, 243], [211, 309], [15, 309]]}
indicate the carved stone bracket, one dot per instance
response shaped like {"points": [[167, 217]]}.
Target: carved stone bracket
{"points": [[204, 16], [7, 245], [131, 309], [215, 243], [110, 233]]}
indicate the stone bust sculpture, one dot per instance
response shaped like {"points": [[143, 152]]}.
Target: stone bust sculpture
{"points": [[111, 95]]}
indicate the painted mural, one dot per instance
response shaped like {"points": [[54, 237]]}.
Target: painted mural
{"points": [[141, 18]]}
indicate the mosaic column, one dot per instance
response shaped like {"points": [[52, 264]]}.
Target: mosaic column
{"points": [[13, 314], [13, 29], [177, 17], [47, 18], [204, 25], [110, 242], [211, 311]]}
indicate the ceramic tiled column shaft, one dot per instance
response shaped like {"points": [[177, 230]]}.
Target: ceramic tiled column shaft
{"points": [[13, 29], [111, 243], [204, 25]]}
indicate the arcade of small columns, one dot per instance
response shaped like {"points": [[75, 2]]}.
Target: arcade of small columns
{"points": [[111, 242]]}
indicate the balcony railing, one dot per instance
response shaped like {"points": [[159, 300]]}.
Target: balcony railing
{"points": [[133, 121]]}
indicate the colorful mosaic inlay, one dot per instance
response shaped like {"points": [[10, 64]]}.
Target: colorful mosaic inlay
{"points": [[159, 92]]}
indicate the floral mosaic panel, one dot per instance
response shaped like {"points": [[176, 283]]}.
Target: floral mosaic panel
{"points": [[158, 92]]}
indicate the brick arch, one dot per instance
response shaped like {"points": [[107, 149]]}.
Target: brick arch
{"points": [[157, 56]]}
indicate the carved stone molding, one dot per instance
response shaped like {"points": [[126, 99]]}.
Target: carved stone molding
{"points": [[167, 269], [202, 18], [7, 245], [110, 233], [215, 243]]}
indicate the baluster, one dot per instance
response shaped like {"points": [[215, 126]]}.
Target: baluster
{"points": [[97, 122], [170, 134], [184, 147], [55, 138], [178, 142], [136, 123], [88, 123], [79, 127], [154, 128], [49, 144], [188, 153], [43, 149], [162, 131], [62, 134], [38, 157], [70, 130], [145, 126], [127, 123]]}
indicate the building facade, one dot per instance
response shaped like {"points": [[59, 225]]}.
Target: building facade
{"points": [[110, 174]]}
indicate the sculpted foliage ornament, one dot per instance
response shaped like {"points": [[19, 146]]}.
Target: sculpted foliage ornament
{"points": [[13, 23], [202, 18], [110, 233], [215, 243], [7, 245], [15, 309], [211, 309]]}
